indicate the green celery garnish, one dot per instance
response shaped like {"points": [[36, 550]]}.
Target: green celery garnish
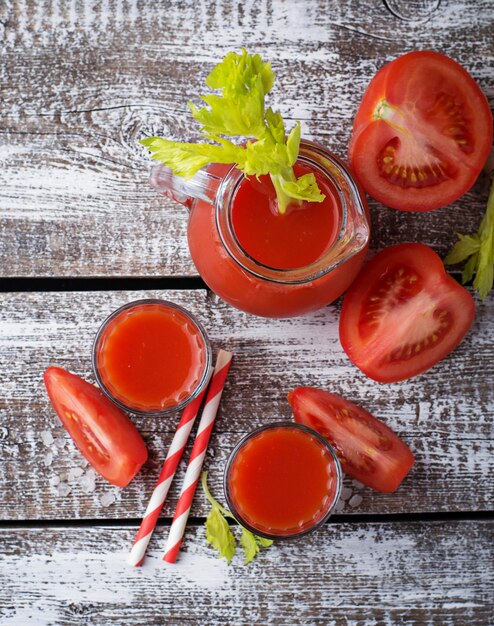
{"points": [[220, 536], [478, 248], [240, 111]]}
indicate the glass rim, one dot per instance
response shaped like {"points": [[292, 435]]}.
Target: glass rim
{"points": [[169, 305], [311, 153], [297, 533]]}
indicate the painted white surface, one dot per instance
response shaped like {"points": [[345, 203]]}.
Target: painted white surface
{"points": [[83, 81], [376, 572]]}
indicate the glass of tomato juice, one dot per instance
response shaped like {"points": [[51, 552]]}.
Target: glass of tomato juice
{"points": [[282, 480], [264, 262], [151, 357]]}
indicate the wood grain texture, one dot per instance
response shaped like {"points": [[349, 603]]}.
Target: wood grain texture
{"points": [[446, 415], [436, 574], [81, 82]]}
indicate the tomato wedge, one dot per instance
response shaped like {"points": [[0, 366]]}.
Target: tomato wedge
{"points": [[105, 436], [403, 313], [422, 133], [368, 450]]}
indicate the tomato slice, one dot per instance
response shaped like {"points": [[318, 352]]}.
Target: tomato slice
{"points": [[368, 450], [403, 313], [103, 433], [422, 133]]}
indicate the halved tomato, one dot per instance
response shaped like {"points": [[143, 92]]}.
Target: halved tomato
{"points": [[103, 433], [367, 449], [403, 313], [422, 133]]}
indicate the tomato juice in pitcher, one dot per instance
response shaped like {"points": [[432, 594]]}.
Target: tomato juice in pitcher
{"points": [[278, 227], [264, 262]]}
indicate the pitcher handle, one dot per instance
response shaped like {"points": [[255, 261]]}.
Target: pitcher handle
{"points": [[202, 186]]}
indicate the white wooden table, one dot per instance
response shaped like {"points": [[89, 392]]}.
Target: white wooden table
{"points": [[81, 233]]}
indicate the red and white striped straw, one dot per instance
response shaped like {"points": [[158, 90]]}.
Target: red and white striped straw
{"points": [[197, 455], [179, 441]]}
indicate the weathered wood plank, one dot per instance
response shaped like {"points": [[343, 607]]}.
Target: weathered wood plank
{"points": [[82, 82], [446, 415], [407, 573]]}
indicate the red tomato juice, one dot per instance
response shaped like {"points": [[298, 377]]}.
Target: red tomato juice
{"points": [[291, 242], [282, 481], [294, 239], [151, 357]]}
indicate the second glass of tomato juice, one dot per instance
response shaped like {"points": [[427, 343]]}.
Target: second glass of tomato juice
{"points": [[151, 357], [282, 480], [264, 262]]}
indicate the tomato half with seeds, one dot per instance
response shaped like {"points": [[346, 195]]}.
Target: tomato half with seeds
{"points": [[367, 448], [422, 133], [403, 313], [103, 433]]}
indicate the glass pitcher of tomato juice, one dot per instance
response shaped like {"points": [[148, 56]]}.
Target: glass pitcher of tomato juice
{"points": [[265, 263]]}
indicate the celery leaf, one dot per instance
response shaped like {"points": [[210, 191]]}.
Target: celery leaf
{"points": [[238, 109], [304, 188], [276, 126], [465, 247], [478, 252], [238, 72], [251, 544], [219, 535], [265, 543], [293, 144], [185, 159]]}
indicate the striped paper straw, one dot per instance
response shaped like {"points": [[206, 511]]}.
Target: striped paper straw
{"points": [[179, 441], [197, 456]]}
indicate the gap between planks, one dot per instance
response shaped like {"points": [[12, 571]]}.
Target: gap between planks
{"points": [[99, 283], [354, 519], [118, 283]]}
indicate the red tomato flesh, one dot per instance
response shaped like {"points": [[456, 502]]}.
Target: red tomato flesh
{"points": [[403, 313], [422, 133], [103, 433], [368, 450]]}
